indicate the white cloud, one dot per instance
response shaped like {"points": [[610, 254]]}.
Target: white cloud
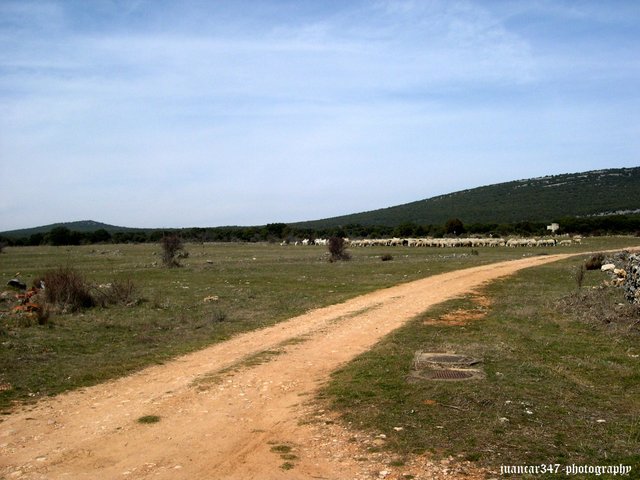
{"points": [[249, 110]]}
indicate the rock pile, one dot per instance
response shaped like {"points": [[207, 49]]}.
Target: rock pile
{"points": [[26, 304], [625, 270]]}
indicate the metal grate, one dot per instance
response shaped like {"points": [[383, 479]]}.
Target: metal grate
{"points": [[446, 374], [444, 366]]}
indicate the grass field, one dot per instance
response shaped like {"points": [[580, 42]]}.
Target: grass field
{"points": [[561, 387], [256, 285]]}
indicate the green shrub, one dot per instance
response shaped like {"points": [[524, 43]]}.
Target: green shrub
{"points": [[338, 249], [172, 250], [594, 262]]}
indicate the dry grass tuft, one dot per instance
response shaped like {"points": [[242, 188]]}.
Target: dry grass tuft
{"points": [[67, 289], [601, 307], [119, 292]]}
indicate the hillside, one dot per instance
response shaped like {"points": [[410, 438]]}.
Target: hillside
{"points": [[543, 199], [539, 199], [83, 226]]}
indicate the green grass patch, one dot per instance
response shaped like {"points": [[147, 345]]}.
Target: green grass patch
{"points": [[560, 387], [287, 466], [255, 359], [149, 419], [285, 453], [255, 285], [281, 449]]}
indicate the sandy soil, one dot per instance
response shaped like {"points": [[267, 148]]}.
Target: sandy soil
{"points": [[247, 422]]}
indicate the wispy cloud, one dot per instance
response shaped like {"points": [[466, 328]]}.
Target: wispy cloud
{"points": [[245, 106]]}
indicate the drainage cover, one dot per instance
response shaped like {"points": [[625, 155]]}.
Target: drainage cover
{"points": [[446, 374], [429, 359]]}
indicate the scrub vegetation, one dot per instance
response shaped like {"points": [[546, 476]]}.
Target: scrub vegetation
{"points": [[561, 386], [220, 291], [537, 357]]}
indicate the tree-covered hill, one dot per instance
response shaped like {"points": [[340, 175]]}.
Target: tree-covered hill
{"points": [[541, 199], [596, 202], [82, 226]]}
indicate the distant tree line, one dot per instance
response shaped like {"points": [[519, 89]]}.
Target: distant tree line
{"points": [[279, 232]]}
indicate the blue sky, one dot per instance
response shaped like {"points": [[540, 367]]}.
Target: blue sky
{"points": [[157, 113]]}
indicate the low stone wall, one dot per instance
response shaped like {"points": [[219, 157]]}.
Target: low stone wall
{"points": [[625, 270]]}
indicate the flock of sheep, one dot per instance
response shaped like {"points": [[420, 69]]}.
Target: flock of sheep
{"points": [[448, 242]]}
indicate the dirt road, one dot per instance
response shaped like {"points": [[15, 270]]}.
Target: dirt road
{"points": [[218, 422]]}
